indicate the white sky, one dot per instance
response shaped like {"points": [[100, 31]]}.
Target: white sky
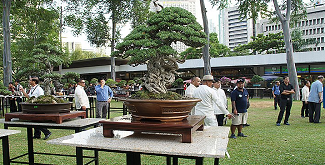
{"points": [[68, 36]]}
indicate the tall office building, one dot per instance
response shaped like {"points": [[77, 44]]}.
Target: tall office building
{"points": [[189, 5], [236, 30], [311, 27]]}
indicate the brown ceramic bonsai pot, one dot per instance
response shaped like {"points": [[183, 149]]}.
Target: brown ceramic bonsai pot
{"points": [[162, 110], [45, 108]]}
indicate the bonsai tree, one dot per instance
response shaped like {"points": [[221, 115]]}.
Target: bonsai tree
{"points": [[178, 82], [43, 59], [256, 79], [130, 82], [122, 83], [151, 44], [111, 82], [94, 81]]}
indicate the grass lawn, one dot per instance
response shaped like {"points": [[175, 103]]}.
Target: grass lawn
{"points": [[300, 143]]}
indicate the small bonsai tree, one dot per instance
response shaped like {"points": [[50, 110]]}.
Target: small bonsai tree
{"points": [[256, 79], [151, 44], [131, 82], [178, 82], [122, 83], [94, 81], [111, 83]]}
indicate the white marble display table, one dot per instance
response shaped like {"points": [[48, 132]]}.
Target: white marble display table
{"points": [[212, 142], [76, 124], [4, 133]]}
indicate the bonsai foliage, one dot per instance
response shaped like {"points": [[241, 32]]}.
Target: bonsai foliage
{"points": [[122, 83], [151, 44], [111, 82], [94, 81], [131, 82], [178, 82], [256, 79]]}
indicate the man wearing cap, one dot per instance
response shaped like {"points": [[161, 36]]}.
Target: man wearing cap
{"points": [[315, 99], [220, 112], [239, 101], [286, 91], [208, 97]]}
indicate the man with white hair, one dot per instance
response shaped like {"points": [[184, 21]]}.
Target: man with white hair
{"points": [[208, 97]]}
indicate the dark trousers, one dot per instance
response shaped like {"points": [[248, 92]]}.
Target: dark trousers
{"points": [[220, 118], [285, 105], [37, 131], [304, 109], [277, 101], [12, 103], [19, 100], [314, 112]]}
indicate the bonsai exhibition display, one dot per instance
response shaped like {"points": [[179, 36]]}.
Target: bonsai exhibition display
{"points": [[150, 44]]}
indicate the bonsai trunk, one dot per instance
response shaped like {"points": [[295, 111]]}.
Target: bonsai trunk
{"points": [[161, 74]]}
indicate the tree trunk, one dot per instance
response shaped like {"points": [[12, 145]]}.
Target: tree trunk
{"points": [[160, 75], [285, 20], [292, 72], [113, 75], [7, 63], [206, 56]]}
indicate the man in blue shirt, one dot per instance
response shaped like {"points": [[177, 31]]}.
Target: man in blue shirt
{"points": [[104, 97], [315, 99], [276, 94], [239, 100]]}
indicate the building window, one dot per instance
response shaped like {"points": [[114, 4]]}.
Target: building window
{"points": [[302, 23], [322, 30], [318, 30], [314, 31], [310, 31], [322, 48], [267, 28], [322, 20], [318, 21], [310, 22], [322, 40], [314, 21]]}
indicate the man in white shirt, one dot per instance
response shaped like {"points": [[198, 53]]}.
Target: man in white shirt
{"points": [[36, 91], [208, 97], [220, 112], [195, 82], [80, 96], [304, 99]]}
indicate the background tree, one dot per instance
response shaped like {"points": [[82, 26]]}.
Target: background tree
{"points": [[93, 17], [216, 49], [42, 62], [151, 44], [289, 9], [271, 43], [302, 45], [79, 54]]}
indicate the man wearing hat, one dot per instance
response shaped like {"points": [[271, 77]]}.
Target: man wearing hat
{"points": [[315, 99], [239, 101], [208, 97]]}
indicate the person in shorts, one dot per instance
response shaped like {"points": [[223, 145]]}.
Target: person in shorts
{"points": [[239, 100]]}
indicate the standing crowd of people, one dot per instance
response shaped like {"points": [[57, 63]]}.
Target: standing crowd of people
{"points": [[311, 99], [214, 105]]}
